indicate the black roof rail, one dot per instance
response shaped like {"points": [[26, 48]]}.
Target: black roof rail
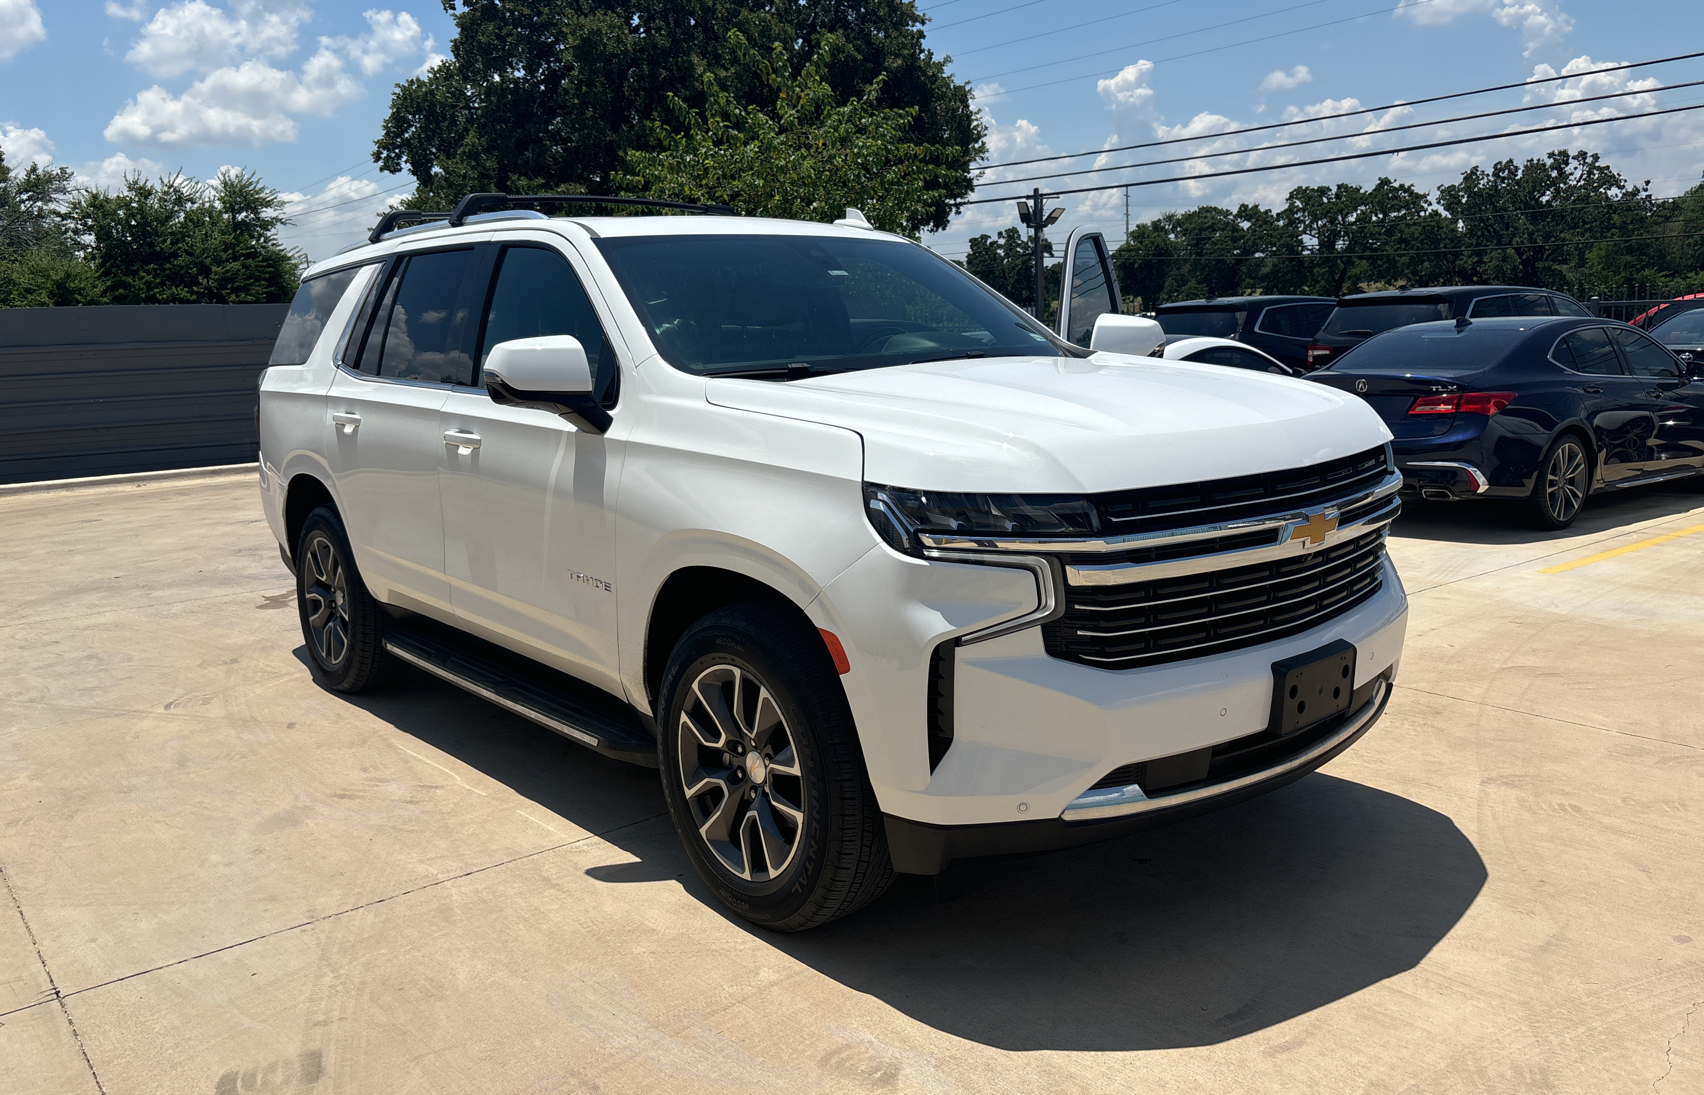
{"points": [[390, 221], [479, 203]]}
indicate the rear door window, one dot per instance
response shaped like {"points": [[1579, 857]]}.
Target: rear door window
{"points": [[1532, 304], [1567, 307], [1294, 320], [1492, 307], [1371, 319], [1644, 357], [1588, 350], [537, 293], [309, 311], [420, 329]]}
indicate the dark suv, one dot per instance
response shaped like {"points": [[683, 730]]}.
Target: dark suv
{"points": [[1364, 315], [1282, 326]]}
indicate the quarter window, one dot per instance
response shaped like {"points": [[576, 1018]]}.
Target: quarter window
{"points": [[537, 293], [314, 303], [1644, 357], [1235, 358], [1567, 307], [1492, 307], [1588, 350]]}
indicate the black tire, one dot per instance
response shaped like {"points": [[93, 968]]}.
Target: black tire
{"points": [[1559, 489], [750, 678], [342, 625]]}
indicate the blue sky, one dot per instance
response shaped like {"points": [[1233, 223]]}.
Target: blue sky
{"points": [[297, 90]]}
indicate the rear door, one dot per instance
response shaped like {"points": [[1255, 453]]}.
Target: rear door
{"points": [[1622, 417], [529, 539], [387, 447], [1093, 288]]}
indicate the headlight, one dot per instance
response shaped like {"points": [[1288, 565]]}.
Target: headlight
{"points": [[897, 513]]}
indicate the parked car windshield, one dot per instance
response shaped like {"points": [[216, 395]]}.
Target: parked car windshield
{"points": [[1376, 318], [717, 305], [1434, 349], [1686, 329], [1214, 324]]}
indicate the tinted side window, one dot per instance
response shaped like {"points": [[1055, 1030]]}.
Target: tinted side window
{"points": [[1294, 320], [537, 293], [313, 305], [1091, 294], [1566, 307], [1532, 304], [1644, 357], [1227, 355], [420, 340], [1491, 307], [1588, 351]]}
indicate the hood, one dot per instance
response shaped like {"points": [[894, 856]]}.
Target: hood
{"points": [[1069, 425]]}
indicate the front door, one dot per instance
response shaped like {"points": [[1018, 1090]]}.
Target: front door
{"points": [[1623, 419], [529, 536], [1678, 444], [1091, 288], [388, 446]]}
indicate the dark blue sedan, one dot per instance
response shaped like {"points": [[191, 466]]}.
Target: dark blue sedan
{"points": [[1543, 410]]}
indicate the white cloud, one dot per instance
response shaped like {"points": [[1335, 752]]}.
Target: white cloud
{"points": [[135, 13], [1129, 95], [432, 61], [1325, 108], [242, 99], [1279, 80], [109, 174], [1542, 23], [22, 146], [985, 95], [20, 27], [340, 214]]}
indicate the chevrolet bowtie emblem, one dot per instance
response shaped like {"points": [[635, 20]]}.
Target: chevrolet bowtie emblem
{"points": [[1316, 529]]}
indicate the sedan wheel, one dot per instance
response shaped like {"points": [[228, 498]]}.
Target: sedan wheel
{"points": [[1560, 489]]}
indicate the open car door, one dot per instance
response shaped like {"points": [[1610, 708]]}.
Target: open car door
{"points": [[1089, 288]]}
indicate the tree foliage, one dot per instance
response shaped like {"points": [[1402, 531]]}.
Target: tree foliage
{"points": [[1564, 221], [808, 157], [39, 265], [550, 95], [177, 241]]}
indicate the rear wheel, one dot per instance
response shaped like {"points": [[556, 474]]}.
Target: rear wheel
{"points": [[1558, 492], [763, 775], [341, 622]]}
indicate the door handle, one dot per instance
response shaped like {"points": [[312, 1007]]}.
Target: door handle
{"points": [[465, 441], [349, 420], [1592, 389]]}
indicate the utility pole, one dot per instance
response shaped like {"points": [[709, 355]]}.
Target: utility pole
{"points": [[1127, 213], [1033, 214]]}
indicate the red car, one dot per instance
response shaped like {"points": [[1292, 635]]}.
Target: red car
{"points": [[1652, 316]]}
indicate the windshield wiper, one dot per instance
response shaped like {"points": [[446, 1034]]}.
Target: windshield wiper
{"points": [[798, 371], [948, 357]]}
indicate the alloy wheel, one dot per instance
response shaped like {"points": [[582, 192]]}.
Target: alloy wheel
{"points": [[1565, 481], [326, 593], [740, 772]]}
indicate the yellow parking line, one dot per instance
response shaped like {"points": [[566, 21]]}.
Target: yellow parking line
{"points": [[1613, 552]]}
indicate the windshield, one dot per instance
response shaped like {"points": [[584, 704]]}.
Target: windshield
{"points": [[1372, 319], [1215, 324], [1435, 349], [1686, 329], [730, 304]]}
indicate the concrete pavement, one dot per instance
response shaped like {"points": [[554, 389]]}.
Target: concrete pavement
{"points": [[219, 878]]}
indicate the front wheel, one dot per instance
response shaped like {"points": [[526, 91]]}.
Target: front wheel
{"points": [[763, 775], [1559, 490]]}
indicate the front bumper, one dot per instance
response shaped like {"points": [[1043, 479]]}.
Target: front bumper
{"points": [[921, 848]]}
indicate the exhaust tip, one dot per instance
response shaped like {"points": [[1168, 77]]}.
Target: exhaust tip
{"points": [[1436, 494]]}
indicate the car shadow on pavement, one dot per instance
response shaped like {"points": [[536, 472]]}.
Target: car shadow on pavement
{"points": [[1196, 933], [1496, 522]]}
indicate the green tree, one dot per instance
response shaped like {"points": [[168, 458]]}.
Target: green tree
{"points": [[177, 241], [548, 95], [39, 265], [1007, 264], [808, 157], [1358, 236]]}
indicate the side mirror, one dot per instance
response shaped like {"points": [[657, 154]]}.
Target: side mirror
{"points": [[1121, 334], [548, 373]]}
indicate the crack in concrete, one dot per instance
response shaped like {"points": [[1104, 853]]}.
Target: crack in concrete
{"points": [[53, 986], [1668, 1050], [363, 905], [1551, 718]]}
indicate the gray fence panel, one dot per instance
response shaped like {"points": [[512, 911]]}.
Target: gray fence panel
{"points": [[99, 391]]}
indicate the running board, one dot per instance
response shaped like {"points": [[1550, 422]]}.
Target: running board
{"points": [[574, 709]]}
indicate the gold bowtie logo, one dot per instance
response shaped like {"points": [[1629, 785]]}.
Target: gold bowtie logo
{"points": [[1317, 528]]}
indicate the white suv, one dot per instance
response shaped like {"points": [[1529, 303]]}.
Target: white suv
{"points": [[882, 573]]}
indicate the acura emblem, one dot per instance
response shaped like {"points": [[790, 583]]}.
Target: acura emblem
{"points": [[1360, 385]]}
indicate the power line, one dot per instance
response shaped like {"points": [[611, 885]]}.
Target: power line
{"points": [[351, 201], [1061, 30], [1169, 37], [988, 14], [336, 173], [1347, 113], [1352, 156], [1343, 136]]}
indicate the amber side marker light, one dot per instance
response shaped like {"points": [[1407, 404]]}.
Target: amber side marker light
{"points": [[835, 651]]}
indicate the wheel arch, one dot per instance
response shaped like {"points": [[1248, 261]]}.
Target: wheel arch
{"points": [[1584, 432], [303, 494]]}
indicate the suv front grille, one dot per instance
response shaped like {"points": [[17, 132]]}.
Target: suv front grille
{"points": [[1215, 500], [1192, 616]]}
